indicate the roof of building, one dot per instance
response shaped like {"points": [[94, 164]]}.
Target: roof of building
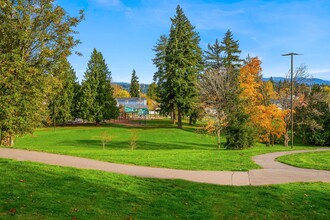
{"points": [[130, 99]]}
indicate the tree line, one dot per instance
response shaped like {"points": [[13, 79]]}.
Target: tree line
{"points": [[38, 84], [227, 92]]}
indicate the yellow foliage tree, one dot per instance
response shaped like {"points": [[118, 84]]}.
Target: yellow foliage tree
{"points": [[119, 92], [266, 117]]}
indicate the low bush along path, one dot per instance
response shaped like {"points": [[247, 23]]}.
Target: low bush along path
{"points": [[273, 172]]}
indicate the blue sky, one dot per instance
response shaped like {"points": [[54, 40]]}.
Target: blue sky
{"points": [[125, 31]]}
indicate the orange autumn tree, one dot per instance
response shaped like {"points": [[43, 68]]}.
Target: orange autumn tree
{"points": [[265, 116]]}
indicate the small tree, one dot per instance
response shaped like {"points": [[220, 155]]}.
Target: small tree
{"points": [[105, 138], [133, 139], [215, 124]]}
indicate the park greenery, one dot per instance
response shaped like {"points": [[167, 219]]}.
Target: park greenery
{"points": [[36, 191], [156, 144], [33, 190], [313, 160], [215, 97], [216, 86]]}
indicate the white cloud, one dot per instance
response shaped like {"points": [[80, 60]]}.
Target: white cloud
{"points": [[318, 71]]}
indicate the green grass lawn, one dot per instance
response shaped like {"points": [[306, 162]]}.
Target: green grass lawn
{"points": [[36, 191], [159, 144], [314, 160]]}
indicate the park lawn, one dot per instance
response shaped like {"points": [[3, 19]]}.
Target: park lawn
{"points": [[313, 160], [36, 191], [158, 145]]}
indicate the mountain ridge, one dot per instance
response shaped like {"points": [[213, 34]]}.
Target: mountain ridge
{"points": [[310, 81]]}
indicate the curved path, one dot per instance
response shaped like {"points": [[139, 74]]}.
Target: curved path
{"points": [[273, 172]]}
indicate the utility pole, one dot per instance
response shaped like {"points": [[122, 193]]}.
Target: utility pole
{"points": [[291, 54]]}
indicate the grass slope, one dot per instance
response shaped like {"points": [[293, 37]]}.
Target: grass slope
{"points": [[314, 160], [36, 191], [159, 144]]}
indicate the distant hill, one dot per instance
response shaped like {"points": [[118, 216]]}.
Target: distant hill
{"points": [[311, 81], [126, 86]]}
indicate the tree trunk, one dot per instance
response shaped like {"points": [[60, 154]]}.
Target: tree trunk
{"points": [[286, 139], [179, 119], [11, 138], [173, 116], [219, 138], [273, 139], [190, 120]]}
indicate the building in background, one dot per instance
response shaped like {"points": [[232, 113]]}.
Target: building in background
{"points": [[132, 108]]}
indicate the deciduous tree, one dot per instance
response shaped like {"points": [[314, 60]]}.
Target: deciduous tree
{"points": [[264, 116], [300, 75], [119, 92], [34, 35]]}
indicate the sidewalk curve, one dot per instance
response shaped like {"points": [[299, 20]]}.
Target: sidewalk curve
{"points": [[273, 172]]}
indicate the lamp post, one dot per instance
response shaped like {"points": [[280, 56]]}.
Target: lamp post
{"points": [[291, 54]]}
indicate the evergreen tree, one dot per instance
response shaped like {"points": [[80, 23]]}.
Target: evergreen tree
{"points": [[134, 89], [230, 47], [159, 60], [213, 56], [76, 101], [240, 133], [97, 102], [166, 106], [34, 35], [62, 94], [183, 63]]}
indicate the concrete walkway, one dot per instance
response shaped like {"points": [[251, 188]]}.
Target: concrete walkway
{"points": [[272, 173]]}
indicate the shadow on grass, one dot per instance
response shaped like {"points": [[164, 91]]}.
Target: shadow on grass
{"points": [[141, 145], [51, 191]]}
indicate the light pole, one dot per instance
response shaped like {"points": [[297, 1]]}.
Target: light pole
{"points": [[291, 54]]}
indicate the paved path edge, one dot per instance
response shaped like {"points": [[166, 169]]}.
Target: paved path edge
{"points": [[273, 172]]}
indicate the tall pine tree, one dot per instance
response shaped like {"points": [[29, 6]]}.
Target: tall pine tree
{"points": [[62, 93], [213, 56], [134, 89], [182, 64], [97, 102], [166, 106], [230, 47]]}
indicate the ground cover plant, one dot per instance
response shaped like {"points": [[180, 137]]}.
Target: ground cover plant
{"points": [[36, 191], [313, 160], [158, 144]]}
